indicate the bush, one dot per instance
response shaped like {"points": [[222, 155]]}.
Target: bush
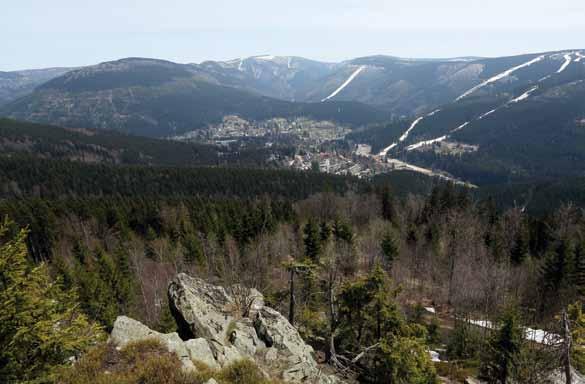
{"points": [[465, 342], [242, 372], [403, 360]]}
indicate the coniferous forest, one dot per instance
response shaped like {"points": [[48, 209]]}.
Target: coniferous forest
{"points": [[392, 275]]}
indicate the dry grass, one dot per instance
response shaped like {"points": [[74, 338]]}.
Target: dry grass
{"points": [[148, 362]]}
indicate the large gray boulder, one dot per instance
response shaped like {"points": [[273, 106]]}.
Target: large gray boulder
{"points": [[206, 310], [127, 330], [218, 326], [558, 377], [200, 350], [237, 325]]}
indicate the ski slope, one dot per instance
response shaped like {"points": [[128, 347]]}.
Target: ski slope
{"points": [[412, 126], [524, 96], [500, 76], [346, 83], [415, 123], [405, 134], [401, 165], [568, 60], [461, 127], [518, 99], [384, 152], [427, 142]]}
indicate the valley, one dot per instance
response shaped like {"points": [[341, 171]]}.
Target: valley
{"points": [[455, 111], [273, 219]]}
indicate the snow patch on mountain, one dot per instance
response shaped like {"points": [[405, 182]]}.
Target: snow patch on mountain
{"points": [[265, 57], [500, 76], [580, 57], [346, 83]]}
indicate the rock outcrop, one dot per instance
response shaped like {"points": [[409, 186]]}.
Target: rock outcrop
{"points": [[218, 326]]}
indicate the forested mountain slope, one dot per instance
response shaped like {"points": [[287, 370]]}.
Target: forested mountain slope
{"points": [[16, 84], [158, 98]]}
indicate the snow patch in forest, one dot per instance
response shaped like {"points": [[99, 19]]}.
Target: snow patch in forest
{"points": [[435, 357], [537, 335]]}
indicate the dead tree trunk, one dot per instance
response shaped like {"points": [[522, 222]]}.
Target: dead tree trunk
{"points": [[566, 352], [291, 309]]}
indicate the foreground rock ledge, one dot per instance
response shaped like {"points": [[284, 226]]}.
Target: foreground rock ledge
{"points": [[218, 326]]}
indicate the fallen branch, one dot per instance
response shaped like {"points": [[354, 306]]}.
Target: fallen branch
{"points": [[366, 350]]}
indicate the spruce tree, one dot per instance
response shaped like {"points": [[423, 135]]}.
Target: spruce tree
{"points": [[150, 238], [579, 273], [388, 208], [193, 249], [390, 249], [324, 231], [558, 270], [521, 249], [503, 349], [370, 318], [41, 326], [312, 241], [342, 231]]}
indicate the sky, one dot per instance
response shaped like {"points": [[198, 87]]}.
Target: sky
{"points": [[43, 33]]}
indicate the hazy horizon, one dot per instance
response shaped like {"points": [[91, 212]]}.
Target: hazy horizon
{"points": [[72, 34]]}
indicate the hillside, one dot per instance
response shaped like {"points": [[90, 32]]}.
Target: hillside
{"points": [[101, 146], [158, 98], [400, 85], [522, 123], [485, 121], [16, 84]]}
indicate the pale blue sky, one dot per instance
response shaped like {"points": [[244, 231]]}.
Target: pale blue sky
{"points": [[44, 33]]}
